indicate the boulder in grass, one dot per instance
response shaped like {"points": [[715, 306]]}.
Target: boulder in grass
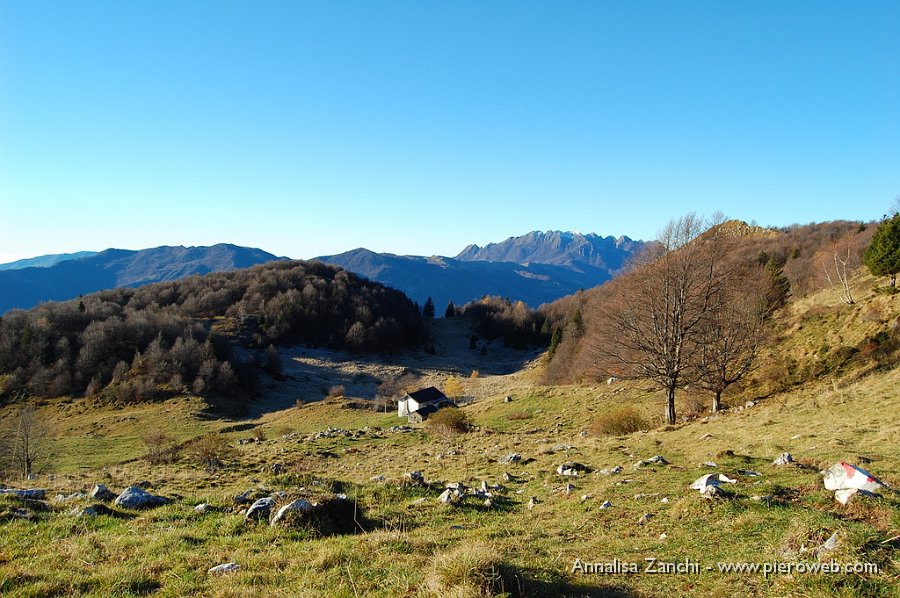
{"points": [[135, 497], [510, 458], [30, 493], [849, 480], [101, 492], [570, 468], [710, 485], [654, 460], [784, 459], [298, 506], [94, 511], [261, 508], [224, 568]]}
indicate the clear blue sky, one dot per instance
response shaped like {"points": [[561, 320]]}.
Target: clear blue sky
{"points": [[307, 128]]}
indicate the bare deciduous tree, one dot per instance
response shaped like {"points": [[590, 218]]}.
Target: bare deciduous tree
{"points": [[649, 330], [28, 443], [731, 332], [837, 264]]}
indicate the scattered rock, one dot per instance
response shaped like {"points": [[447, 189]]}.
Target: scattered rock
{"points": [[31, 493], [706, 436], [135, 497], [488, 503], [663, 536], [418, 501], [511, 458], [244, 497], [711, 464], [23, 514], [534, 501], [749, 404], [585, 497], [665, 499], [298, 506], [749, 473], [224, 568], [645, 518], [377, 478], [450, 496], [507, 477], [277, 468], [829, 545], [784, 459], [610, 471], [645, 495], [94, 510], [415, 477], [507, 399], [203, 508], [606, 505], [570, 468], [70, 497], [101, 492], [654, 460], [710, 485], [261, 508]]}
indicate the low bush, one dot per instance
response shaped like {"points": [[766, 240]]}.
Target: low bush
{"points": [[449, 419], [623, 420]]}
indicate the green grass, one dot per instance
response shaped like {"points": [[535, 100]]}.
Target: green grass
{"points": [[430, 549]]}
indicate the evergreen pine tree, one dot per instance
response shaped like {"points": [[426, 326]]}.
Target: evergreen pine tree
{"points": [[428, 309], [882, 257], [451, 310]]}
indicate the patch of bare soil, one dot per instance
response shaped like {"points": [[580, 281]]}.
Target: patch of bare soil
{"points": [[309, 373]]}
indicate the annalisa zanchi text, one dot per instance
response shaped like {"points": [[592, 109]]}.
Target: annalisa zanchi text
{"points": [[651, 565]]}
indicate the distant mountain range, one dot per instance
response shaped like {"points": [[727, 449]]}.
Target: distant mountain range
{"points": [[45, 261], [536, 268], [64, 277]]}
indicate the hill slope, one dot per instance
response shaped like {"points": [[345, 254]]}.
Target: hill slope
{"points": [[26, 287], [405, 541]]}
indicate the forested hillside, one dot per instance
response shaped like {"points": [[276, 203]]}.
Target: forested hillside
{"points": [[770, 266], [166, 338]]}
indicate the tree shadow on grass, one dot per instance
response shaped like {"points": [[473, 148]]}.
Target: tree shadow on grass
{"points": [[521, 582]]}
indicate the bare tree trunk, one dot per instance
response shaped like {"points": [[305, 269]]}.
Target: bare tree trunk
{"points": [[670, 406], [717, 402]]}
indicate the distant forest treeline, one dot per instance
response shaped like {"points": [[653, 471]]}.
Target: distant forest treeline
{"points": [[162, 339]]}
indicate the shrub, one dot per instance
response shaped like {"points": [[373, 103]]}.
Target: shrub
{"points": [[161, 448], [210, 451], [449, 419], [336, 391], [623, 420]]}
